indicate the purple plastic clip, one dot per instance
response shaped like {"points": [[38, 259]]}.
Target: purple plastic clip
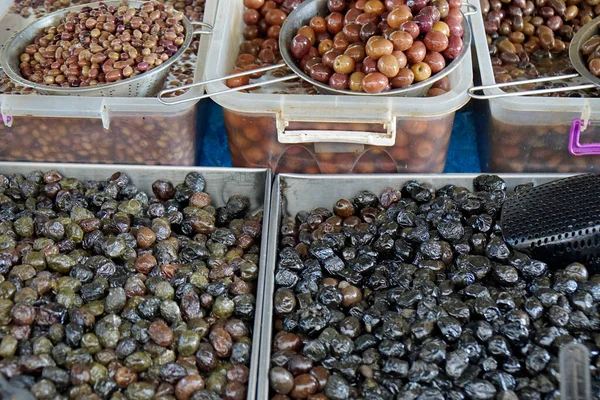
{"points": [[8, 119], [576, 148]]}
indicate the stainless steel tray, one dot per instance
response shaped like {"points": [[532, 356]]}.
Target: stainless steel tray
{"points": [[293, 193], [221, 183]]}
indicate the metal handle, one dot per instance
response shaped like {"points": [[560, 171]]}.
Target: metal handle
{"points": [[223, 78], [472, 7], [387, 138], [209, 28], [575, 383], [576, 148], [527, 92]]}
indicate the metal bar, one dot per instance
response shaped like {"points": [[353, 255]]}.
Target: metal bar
{"points": [[475, 89], [532, 92], [236, 89]]}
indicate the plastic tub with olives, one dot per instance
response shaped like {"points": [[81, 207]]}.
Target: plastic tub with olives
{"points": [[531, 133], [259, 122]]}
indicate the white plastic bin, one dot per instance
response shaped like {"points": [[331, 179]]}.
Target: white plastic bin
{"points": [[121, 130], [531, 133], [330, 134]]}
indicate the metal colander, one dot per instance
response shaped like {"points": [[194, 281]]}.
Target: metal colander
{"points": [[145, 84], [558, 222]]}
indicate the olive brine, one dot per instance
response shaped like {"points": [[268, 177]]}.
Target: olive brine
{"points": [[107, 292], [415, 295]]}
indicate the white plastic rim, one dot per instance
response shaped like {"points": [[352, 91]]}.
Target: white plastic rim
{"points": [[223, 52]]}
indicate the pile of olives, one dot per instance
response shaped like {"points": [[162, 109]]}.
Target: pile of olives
{"points": [[107, 292], [414, 294]]}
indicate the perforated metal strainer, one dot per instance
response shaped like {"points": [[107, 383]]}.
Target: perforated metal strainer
{"points": [[558, 222], [145, 84]]}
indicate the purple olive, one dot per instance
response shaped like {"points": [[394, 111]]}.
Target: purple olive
{"points": [[425, 22], [455, 47], [300, 46]]}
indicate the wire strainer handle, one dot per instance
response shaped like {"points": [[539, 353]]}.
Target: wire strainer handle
{"points": [[208, 31], [474, 89], [223, 78], [472, 9]]}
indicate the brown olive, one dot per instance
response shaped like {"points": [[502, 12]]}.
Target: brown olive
{"points": [[554, 22], [441, 26], [251, 17], [255, 4], [379, 47], [412, 28], [421, 70], [318, 24], [281, 380], [334, 23], [329, 58], [343, 64], [325, 46], [351, 15], [375, 82], [368, 30], [388, 65], [455, 47], [404, 78], [374, 7], [239, 81], [400, 58], [401, 40], [416, 53], [594, 66], [309, 33], [433, 92], [590, 45], [356, 51], [340, 42], [352, 32], [398, 16], [435, 41], [356, 80], [275, 17], [436, 61], [339, 81], [320, 73], [443, 83], [369, 65], [304, 386]]}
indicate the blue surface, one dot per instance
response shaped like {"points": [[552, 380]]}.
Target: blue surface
{"points": [[214, 150]]}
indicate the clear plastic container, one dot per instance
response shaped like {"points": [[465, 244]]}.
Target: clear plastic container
{"points": [[532, 133], [121, 130], [330, 134]]}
